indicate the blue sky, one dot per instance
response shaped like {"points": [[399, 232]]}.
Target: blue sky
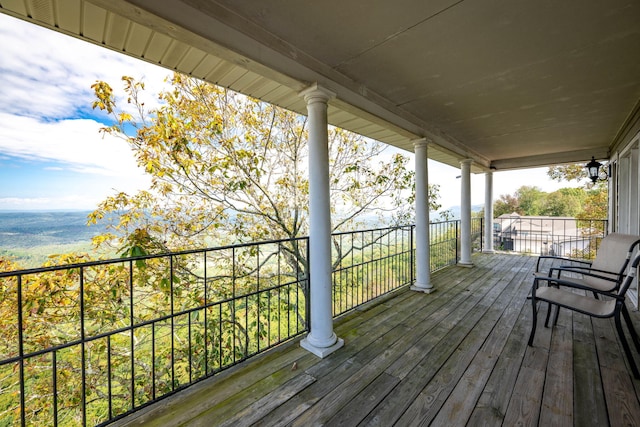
{"points": [[52, 155]]}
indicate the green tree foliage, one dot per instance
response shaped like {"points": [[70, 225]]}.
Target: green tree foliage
{"points": [[565, 202], [586, 203], [227, 167], [506, 204], [589, 201], [571, 172], [530, 200], [595, 201]]}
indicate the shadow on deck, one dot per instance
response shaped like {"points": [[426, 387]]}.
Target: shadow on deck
{"points": [[456, 357]]}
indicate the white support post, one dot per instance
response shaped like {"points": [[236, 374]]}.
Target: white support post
{"points": [[321, 339], [488, 213], [423, 263], [465, 215]]}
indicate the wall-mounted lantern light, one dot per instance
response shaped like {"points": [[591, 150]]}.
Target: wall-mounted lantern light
{"points": [[593, 168]]}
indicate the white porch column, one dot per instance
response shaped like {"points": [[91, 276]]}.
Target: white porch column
{"points": [[321, 339], [423, 264], [465, 214], [488, 213]]}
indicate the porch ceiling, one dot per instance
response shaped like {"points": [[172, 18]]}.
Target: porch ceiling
{"points": [[509, 84]]}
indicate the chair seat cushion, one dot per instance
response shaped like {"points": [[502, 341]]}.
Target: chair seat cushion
{"points": [[584, 304]]}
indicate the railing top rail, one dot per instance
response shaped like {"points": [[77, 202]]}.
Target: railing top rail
{"points": [[142, 257], [368, 230]]}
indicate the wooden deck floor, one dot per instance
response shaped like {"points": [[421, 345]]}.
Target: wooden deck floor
{"points": [[456, 357]]}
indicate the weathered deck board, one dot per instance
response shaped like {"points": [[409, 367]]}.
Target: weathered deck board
{"points": [[588, 407], [428, 404], [458, 356], [557, 400]]}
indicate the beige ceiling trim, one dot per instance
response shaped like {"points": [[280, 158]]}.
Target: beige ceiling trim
{"points": [[550, 159], [628, 130]]}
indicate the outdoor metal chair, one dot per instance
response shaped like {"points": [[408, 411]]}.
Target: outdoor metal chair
{"points": [[604, 274], [611, 304]]}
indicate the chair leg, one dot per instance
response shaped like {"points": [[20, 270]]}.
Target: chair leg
{"points": [[555, 318], [546, 319], [625, 345], [632, 330], [534, 321]]}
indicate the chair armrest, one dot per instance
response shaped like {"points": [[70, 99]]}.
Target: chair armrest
{"points": [[559, 258], [591, 272]]}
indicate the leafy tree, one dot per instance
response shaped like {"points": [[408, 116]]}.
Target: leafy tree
{"points": [[530, 200], [225, 167], [230, 169], [506, 204], [478, 213], [595, 204], [567, 202], [564, 202], [446, 215], [570, 172]]}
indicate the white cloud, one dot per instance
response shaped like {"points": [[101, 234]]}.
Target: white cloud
{"points": [[45, 88], [74, 143], [49, 74], [70, 202]]}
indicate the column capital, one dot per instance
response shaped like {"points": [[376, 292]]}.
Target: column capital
{"points": [[466, 161], [420, 142], [317, 93]]}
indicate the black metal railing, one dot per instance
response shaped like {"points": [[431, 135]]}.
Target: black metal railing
{"points": [[370, 263], [99, 340], [477, 234], [88, 343], [85, 344], [444, 240]]}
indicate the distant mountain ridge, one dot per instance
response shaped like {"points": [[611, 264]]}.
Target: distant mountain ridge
{"points": [[25, 229], [456, 211], [38, 228]]}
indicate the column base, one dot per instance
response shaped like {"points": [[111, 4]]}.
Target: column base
{"points": [[321, 352], [488, 251], [428, 290], [467, 264]]}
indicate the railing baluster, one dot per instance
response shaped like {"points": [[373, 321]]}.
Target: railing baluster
{"points": [[109, 374], [153, 360], [132, 336], [205, 299], [83, 356], [54, 368], [257, 301], [23, 408]]}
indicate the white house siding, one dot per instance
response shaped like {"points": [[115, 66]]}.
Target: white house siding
{"points": [[624, 197]]}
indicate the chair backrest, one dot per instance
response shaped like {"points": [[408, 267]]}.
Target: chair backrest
{"points": [[630, 276], [613, 255]]}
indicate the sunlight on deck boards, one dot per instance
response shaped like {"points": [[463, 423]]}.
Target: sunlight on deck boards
{"points": [[458, 356]]}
